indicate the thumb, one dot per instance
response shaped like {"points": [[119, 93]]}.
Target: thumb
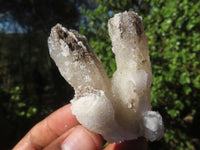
{"points": [[77, 138]]}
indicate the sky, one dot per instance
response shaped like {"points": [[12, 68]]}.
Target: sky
{"points": [[8, 25]]}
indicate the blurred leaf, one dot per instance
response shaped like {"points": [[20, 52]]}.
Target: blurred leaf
{"points": [[184, 78], [173, 113]]}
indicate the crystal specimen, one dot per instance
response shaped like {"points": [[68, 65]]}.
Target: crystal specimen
{"points": [[118, 108]]}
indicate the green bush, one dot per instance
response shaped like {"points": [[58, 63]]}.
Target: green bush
{"points": [[172, 28]]}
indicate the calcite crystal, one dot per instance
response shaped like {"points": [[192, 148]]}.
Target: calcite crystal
{"points": [[118, 108]]}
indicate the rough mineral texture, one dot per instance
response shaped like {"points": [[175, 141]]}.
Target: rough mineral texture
{"points": [[118, 108]]}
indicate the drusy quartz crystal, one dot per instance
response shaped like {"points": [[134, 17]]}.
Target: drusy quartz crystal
{"points": [[118, 108]]}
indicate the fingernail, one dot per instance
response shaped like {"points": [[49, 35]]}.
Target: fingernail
{"points": [[78, 139]]}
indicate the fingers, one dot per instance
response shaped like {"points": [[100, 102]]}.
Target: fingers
{"points": [[77, 138], [139, 144], [62, 131], [48, 130]]}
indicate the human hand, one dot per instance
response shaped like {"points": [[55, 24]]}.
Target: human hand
{"points": [[61, 131]]}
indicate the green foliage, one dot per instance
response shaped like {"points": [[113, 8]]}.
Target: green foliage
{"points": [[16, 104], [95, 27], [31, 86], [172, 28]]}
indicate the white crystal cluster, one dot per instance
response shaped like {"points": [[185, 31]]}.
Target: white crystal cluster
{"points": [[118, 108]]}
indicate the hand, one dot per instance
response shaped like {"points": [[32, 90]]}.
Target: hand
{"points": [[61, 131]]}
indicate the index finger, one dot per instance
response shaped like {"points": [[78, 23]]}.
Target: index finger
{"points": [[138, 144], [48, 129]]}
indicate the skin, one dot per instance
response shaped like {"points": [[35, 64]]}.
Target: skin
{"points": [[61, 127]]}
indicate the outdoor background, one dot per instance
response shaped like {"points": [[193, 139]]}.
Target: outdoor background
{"points": [[31, 86]]}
